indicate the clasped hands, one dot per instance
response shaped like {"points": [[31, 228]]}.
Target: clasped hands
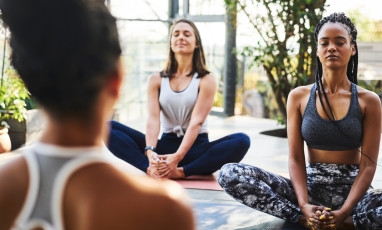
{"points": [[320, 217], [162, 166]]}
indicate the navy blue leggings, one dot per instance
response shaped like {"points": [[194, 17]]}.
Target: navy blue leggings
{"points": [[204, 157]]}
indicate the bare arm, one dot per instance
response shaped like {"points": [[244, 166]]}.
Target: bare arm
{"points": [[13, 189], [370, 147], [153, 121], [297, 167]]}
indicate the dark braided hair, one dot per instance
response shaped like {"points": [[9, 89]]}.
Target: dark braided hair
{"points": [[352, 68]]}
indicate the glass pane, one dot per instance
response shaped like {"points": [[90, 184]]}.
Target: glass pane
{"points": [[206, 7], [142, 9]]}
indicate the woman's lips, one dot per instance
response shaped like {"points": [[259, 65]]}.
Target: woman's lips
{"points": [[331, 57]]}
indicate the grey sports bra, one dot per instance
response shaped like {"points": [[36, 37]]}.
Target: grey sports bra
{"points": [[343, 134]]}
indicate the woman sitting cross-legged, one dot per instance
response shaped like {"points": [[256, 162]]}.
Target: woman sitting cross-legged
{"points": [[179, 99], [341, 125]]}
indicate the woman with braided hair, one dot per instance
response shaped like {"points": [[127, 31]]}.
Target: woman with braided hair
{"points": [[341, 125]]}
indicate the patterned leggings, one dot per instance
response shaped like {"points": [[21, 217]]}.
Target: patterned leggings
{"points": [[328, 185]]}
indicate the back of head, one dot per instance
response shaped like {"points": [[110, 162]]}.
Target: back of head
{"points": [[64, 50]]}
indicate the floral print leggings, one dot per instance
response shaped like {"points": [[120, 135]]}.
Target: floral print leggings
{"points": [[328, 185]]}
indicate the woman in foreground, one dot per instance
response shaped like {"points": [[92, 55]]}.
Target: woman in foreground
{"points": [[68, 54]]}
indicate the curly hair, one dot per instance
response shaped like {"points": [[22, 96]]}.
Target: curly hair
{"points": [[64, 50], [352, 68]]}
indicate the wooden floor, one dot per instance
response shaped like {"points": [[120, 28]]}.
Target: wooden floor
{"points": [[217, 210]]}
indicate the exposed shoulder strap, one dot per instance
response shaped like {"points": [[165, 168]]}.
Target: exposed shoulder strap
{"points": [[61, 181], [23, 221], [313, 91], [354, 91], [164, 84], [311, 100], [194, 84], [354, 100], [31, 197]]}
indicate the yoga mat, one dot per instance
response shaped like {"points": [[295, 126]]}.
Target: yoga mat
{"points": [[205, 182]]}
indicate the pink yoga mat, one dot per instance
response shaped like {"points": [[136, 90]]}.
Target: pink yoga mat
{"points": [[207, 182]]}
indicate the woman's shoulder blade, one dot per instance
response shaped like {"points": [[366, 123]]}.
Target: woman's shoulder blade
{"points": [[135, 196], [135, 185]]}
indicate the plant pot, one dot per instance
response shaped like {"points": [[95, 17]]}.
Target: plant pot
{"points": [[17, 132], [5, 141], [28, 131]]}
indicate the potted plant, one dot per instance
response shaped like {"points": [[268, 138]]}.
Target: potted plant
{"points": [[5, 140], [13, 94]]}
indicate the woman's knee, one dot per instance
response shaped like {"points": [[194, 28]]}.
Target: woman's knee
{"points": [[242, 140], [115, 124], [369, 210], [227, 174], [240, 143]]}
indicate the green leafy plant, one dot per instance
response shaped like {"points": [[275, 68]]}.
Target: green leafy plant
{"points": [[284, 42], [13, 94]]}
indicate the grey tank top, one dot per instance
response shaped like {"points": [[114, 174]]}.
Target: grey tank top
{"points": [[343, 134], [49, 169], [177, 107]]}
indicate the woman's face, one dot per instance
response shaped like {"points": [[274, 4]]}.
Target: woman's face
{"points": [[183, 40], [334, 47]]}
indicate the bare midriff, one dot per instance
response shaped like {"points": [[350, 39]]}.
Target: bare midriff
{"points": [[334, 157]]}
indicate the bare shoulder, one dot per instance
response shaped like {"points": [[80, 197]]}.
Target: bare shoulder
{"points": [[369, 103], [155, 79], [138, 198], [299, 95], [13, 189], [208, 83], [13, 173], [208, 80], [300, 91], [368, 98]]}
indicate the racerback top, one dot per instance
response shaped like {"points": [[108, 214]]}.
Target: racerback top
{"points": [[50, 167]]}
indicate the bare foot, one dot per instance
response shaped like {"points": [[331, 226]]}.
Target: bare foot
{"points": [[177, 174]]}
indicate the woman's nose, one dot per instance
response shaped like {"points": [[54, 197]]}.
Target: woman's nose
{"points": [[332, 48]]}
